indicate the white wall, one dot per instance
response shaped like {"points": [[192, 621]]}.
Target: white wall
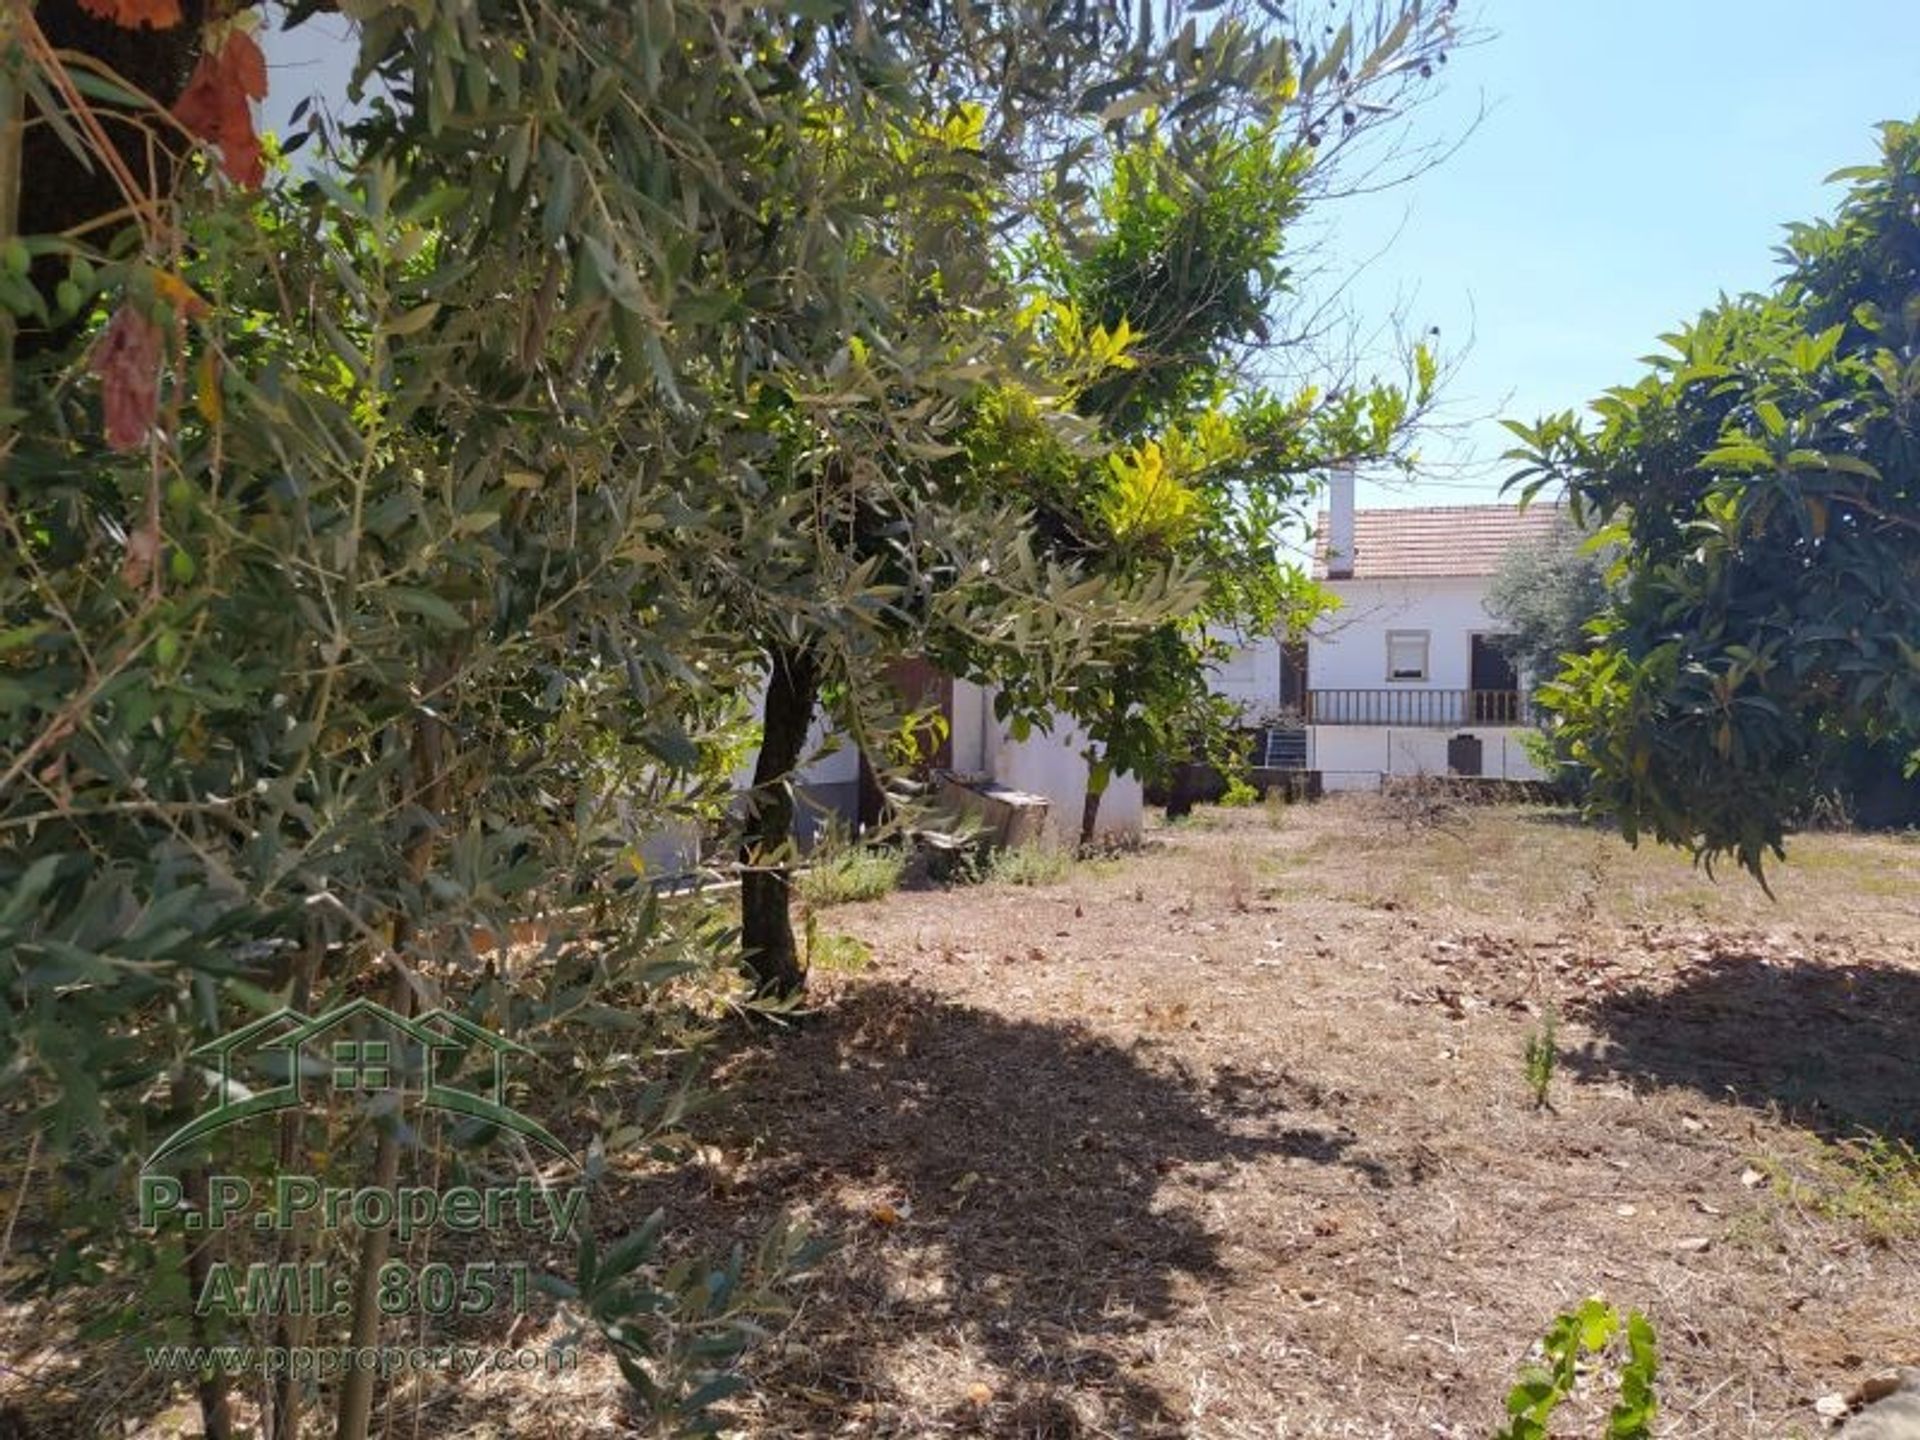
{"points": [[1250, 676], [672, 850], [1348, 649], [827, 780], [818, 765], [1042, 764], [1050, 765], [1355, 757], [972, 722]]}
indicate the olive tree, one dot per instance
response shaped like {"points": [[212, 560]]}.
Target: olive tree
{"points": [[1546, 596], [372, 535]]}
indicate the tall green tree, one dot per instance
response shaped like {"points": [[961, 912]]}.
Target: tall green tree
{"points": [[1545, 596], [1763, 479], [1208, 458]]}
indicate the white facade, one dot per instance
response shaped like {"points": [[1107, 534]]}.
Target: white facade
{"points": [[1359, 757], [1046, 764], [1249, 676], [1399, 649], [1348, 649], [1368, 645], [827, 791], [826, 781]]}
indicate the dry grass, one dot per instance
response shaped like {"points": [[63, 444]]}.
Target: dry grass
{"points": [[1234, 1138]]}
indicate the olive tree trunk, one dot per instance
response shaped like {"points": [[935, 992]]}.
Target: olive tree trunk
{"points": [[429, 773], [766, 880], [210, 1388], [1089, 815]]}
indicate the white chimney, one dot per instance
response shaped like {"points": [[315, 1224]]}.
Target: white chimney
{"points": [[1340, 523]]}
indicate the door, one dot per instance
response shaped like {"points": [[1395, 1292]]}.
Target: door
{"points": [[1293, 676], [920, 685], [1463, 755], [1494, 682]]}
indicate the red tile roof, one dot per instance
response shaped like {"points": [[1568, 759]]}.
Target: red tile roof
{"points": [[1435, 540]]}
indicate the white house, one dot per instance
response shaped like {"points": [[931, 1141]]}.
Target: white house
{"points": [[977, 746], [1406, 677], [1047, 764], [835, 788]]}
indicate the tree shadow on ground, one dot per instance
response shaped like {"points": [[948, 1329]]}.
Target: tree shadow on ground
{"points": [[996, 1188], [1837, 1047]]}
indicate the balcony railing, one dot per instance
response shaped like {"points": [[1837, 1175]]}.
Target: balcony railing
{"points": [[1417, 707]]}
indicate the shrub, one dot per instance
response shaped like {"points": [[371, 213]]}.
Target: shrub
{"points": [[709, 1320], [1543, 1055], [849, 875], [1034, 864], [832, 952], [836, 953], [1239, 794], [1866, 1180]]}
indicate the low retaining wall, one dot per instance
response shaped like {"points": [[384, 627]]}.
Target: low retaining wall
{"points": [[1476, 789], [1289, 785], [1192, 785]]}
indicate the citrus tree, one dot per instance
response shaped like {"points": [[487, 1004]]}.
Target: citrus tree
{"points": [[1220, 413]]}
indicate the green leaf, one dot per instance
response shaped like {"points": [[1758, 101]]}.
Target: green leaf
{"points": [[425, 604], [413, 321], [1126, 106]]}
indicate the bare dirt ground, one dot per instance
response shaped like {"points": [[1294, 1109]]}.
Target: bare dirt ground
{"points": [[1233, 1138]]}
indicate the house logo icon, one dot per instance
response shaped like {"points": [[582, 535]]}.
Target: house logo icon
{"points": [[361, 1050]]}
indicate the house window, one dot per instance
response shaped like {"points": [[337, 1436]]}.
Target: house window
{"points": [[1407, 654], [361, 1065]]}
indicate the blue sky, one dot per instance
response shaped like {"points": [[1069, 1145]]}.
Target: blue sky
{"points": [[1635, 159], [1631, 160]]}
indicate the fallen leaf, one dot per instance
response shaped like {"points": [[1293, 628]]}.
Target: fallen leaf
{"points": [[1833, 1407], [179, 294], [206, 389], [1695, 1244]]}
